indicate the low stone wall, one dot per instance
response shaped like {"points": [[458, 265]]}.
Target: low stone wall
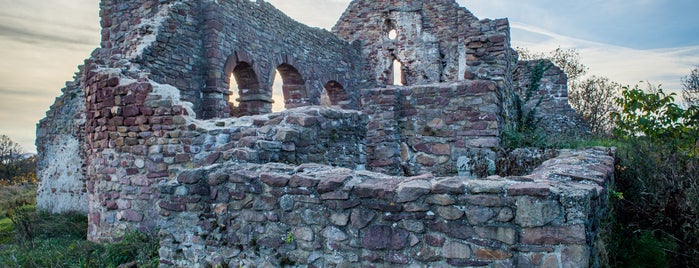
{"points": [[320, 216]]}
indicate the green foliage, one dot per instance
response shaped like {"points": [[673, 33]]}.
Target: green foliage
{"points": [[7, 230], [139, 248], [657, 117], [16, 196], [660, 186], [289, 238], [58, 240], [642, 249], [526, 131]]}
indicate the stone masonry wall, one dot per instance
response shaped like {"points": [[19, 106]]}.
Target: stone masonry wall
{"points": [[427, 41], [61, 152], [160, 40], [489, 56], [139, 134], [426, 128], [554, 112], [319, 216], [259, 35]]}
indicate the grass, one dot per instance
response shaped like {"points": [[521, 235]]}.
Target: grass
{"points": [[31, 238], [16, 196]]}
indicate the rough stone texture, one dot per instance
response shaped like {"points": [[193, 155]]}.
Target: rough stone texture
{"points": [[61, 152], [554, 112], [145, 138], [426, 128], [380, 230]]}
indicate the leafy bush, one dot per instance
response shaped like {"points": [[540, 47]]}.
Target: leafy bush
{"points": [[657, 221], [655, 116]]}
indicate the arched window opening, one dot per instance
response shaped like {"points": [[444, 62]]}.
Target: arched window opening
{"points": [[277, 93], [234, 88], [390, 28], [293, 87], [245, 98], [397, 77], [334, 95]]}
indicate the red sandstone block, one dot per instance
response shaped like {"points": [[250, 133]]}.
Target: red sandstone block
{"points": [[275, 180], [177, 207], [532, 189], [298, 180], [553, 235], [332, 182], [132, 216]]}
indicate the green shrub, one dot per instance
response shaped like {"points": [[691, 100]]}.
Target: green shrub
{"points": [[658, 173], [655, 116], [642, 249], [660, 187]]}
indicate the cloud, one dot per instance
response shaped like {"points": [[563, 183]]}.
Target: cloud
{"points": [[41, 44], [625, 65], [313, 13], [637, 24]]}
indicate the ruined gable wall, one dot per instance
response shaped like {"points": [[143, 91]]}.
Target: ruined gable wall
{"points": [[556, 115], [427, 43], [160, 40], [258, 34], [61, 152]]}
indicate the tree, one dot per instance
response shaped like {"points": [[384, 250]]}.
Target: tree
{"points": [[593, 99], [566, 59], [690, 88], [14, 167]]}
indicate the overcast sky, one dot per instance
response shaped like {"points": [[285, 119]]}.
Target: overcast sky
{"points": [[42, 42]]}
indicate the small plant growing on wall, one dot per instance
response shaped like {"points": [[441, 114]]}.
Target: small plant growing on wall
{"points": [[526, 131]]}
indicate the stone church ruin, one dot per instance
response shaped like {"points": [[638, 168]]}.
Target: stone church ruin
{"points": [[168, 128]]}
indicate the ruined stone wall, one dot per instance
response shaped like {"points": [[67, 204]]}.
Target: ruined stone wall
{"points": [[159, 40], [257, 34], [276, 215], [139, 134], [60, 142], [157, 145], [166, 41], [489, 56], [550, 98], [426, 128], [427, 41]]}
